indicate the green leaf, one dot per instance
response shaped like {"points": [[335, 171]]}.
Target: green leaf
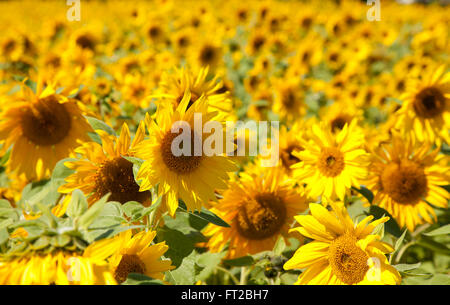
{"points": [[208, 261], [132, 207], [98, 124], [391, 225], [141, 279], [41, 243], [60, 240], [4, 236], [60, 171], [78, 204], [365, 192], [440, 231], [240, 262], [180, 246], [399, 241], [205, 215], [87, 218], [185, 274], [116, 230], [406, 267], [433, 245], [279, 247]]}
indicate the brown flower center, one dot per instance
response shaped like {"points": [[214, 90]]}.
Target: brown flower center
{"points": [[130, 263], [208, 55], [194, 97], [261, 217], [331, 162], [289, 99], [181, 165], [287, 158], [429, 102], [339, 122], [46, 122], [405, 182], [85, 42], [116, 177], [348, 262]]}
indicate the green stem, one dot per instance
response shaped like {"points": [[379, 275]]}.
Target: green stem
{"points": [[243, 280], [235, 280]]}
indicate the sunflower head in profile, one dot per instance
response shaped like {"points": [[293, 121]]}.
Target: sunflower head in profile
{"points": [[406, 177], [259, 207], [341, 253], [136, 254], [192, 177], [42, 129], [173, 86], [426, 106], [102, 169], [331, 164]]}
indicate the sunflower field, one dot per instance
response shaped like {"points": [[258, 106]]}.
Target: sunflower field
{"points": [[91, 99]]}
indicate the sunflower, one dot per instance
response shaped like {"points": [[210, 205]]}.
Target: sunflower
{"points": [[190, 177], [340, 113], [101, 169], [59, 265], [331, 164], [426, 107], [56, 268], [259, 207], [341, 252], [43, 128], [289, 99], [60, 268], [136, 254], [289, 141], [173, 85], [406, 177]]}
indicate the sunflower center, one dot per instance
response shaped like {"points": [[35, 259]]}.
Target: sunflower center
{"points": [[261, 217], [287, 158], [289, 99], [85, 42], [338, 123], [181, 165], [207, 55], [429, 102], [194, 97], [348, 262], [331, 162], [116, 177], [130, 263], [47, 122], [405, 182]]}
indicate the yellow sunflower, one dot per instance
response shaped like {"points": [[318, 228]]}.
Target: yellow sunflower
{"points": [[259, 208], [43, 128], [136, 254], [172, 87], [406, 177], [101, 169], [426, 106], [289, 100], [192, 178], [341, 252], [59, 268], [331, 164]]}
